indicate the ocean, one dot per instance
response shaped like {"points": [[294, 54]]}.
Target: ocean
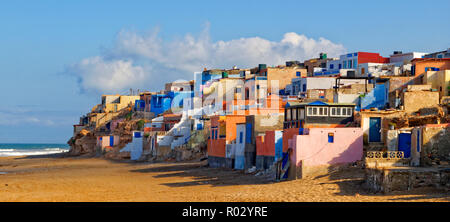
{"points": [[22, 149]]}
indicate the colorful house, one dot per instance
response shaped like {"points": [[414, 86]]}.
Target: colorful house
{"points": [[135, 146], [318, 150], [318, 114], [235, 133], [107, 141], [172, 100], [269, 149], [422, 65]]}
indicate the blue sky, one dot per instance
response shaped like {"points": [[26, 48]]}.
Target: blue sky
{"points": [[39, 40]]}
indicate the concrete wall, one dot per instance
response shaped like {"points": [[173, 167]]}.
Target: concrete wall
{"points": [[416, 100], [268, 122], [346, 98], [313, 153], [283, 75], [435, 144]]}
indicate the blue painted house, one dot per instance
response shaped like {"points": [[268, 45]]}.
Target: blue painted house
{"points": [[377, 98], [163, 102]]}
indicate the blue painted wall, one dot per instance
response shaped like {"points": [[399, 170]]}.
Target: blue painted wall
{"points": [[139, 105], [278, 144], [377, 98], [163, 102], [160, 103]]}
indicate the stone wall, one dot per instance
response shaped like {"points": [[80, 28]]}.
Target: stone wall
{"points": [[415, 100], [405, 178], [435, 148]]}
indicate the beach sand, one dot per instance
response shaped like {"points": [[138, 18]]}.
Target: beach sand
{"points": [[54, 178]]}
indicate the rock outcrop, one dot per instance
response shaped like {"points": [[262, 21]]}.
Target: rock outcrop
{"points": [[83, 143]]}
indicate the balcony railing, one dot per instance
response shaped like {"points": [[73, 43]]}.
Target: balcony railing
{"points": [[385, 155]]}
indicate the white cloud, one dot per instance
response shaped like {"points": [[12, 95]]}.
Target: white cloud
{"points": [[147, 61], [102, 75]]}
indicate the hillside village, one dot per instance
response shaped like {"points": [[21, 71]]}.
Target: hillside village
{"points": [[386, 115]]}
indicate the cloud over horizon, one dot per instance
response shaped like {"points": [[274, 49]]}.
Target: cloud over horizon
{"points": [[146, 61]]}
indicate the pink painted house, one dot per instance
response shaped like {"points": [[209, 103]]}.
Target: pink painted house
{"points": [[318, 149]]}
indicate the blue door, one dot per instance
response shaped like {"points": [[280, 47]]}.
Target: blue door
{"points": [[404, 144], [248, 133], [374, 129], [111, 140]]}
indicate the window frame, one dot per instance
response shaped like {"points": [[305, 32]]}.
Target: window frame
{"points": [[311, 109], [348, 111]]}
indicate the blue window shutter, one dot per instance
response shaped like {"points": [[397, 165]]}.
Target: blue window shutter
{"points": [[240, 137], [330, 137]]}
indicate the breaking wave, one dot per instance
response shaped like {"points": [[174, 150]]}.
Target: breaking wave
{"points": [[31, 149], [21, 152]]}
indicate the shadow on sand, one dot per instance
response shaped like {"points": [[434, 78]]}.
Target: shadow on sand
{"points": [[201, 174]]}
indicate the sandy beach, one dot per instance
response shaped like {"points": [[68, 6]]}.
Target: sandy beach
{"points": [[55, 178]]}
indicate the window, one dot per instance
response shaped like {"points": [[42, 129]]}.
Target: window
{"points": [[341, 111], [288, 114], [331, 66], [340, 66], [240, 137], [330, 137], [299, 74], [294, 114], [350, 64], [317, 111], [354, 63], [345, 64], [304, 88]]}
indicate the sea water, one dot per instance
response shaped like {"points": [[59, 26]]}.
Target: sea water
{"points": [[17, 149]]}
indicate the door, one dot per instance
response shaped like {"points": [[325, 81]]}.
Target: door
{"points": [[375, 129], [111, 140], [404, 144]]}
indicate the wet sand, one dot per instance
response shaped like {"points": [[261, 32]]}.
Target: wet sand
{"points": [[53, 178]]}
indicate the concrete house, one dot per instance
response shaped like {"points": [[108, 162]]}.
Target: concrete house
{"points": [[231, 143], [317, 150], [422, 65], [269, 149], [318, 114]]}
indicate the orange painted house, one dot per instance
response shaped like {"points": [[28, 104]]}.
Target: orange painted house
{"points": [[421, 65], [223, 132]]}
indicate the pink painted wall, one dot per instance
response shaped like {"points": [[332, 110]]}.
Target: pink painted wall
{"points": [[315, 150]]}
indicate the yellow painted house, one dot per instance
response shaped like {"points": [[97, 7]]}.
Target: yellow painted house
{"points": [[114, 103], [439, 80], [109, 108]]}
